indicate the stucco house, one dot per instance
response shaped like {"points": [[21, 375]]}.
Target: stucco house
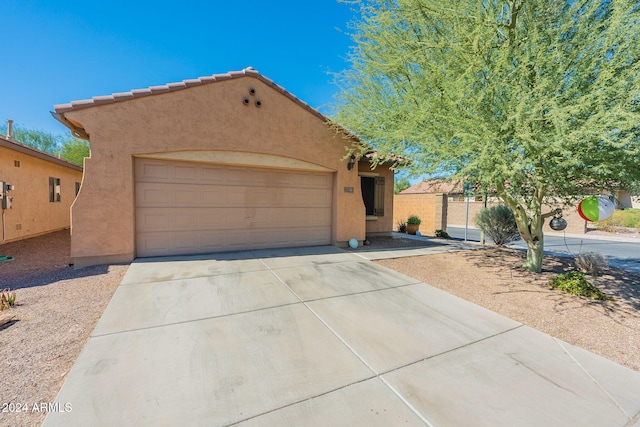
{"points": [[219, 163], [42, 189]]}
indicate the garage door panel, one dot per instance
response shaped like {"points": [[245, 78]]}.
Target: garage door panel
{"points": [[230, 218], [152, 171], [211, 175], [193, 208], [311, 198]]}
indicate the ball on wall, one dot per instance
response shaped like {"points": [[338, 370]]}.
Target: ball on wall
{"points": [[595, 208], [353, 243]]}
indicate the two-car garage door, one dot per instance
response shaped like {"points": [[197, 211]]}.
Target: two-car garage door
{"points": [[186, 208]]}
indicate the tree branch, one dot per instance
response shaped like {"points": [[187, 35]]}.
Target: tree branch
{"points": [[552, 213]]}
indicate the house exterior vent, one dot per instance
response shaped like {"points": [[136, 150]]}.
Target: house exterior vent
{"points": [[9, 129]]}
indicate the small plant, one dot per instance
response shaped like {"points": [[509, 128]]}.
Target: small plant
{"points": [[7, 299], [442, 234], [591, 263], [414, 220], [402, 226], [499, 224], [576, 283]]}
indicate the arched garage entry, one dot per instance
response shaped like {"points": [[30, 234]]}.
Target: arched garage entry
{"points": [[187, 207]]}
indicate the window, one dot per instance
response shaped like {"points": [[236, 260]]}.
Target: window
{"points": [[54, 189], [373, 194], [77, 188]]}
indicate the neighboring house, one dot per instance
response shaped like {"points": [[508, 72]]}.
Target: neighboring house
{"points": [[435, 186], [219, 163], [44, 187]]}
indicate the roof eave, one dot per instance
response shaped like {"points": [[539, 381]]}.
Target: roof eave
{"points": [[25, 149], [76, 131]]}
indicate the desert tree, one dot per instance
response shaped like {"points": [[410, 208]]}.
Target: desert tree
{"points": [[74, 150], [527, 98], [38, 139]]}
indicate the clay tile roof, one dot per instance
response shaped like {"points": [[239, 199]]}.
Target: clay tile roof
{"points": [[435, 186], [170, 87]]}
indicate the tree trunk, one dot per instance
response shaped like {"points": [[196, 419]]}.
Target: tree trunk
{"points": [[531, 232], [530, 226], [535, 253]]}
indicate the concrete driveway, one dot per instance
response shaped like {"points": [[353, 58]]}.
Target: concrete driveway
{"points": [[323, 337]]}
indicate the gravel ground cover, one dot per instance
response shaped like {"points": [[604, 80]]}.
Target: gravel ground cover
{"points": [[57, 308]]}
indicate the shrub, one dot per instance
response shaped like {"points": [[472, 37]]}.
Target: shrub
{"points": [[414, 220], [499, 224], [402, 226], [443, 234], [575, 283], [591, 263], [7, 299]]}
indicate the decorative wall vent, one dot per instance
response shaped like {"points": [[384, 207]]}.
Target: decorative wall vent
{"points": [[246, 101]]}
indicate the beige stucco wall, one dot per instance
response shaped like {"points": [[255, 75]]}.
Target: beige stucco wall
{"points": [[32, 214], [207, 118], [430, 208]]}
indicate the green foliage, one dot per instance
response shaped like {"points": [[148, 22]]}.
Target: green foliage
{"points": [[38, 139], [74, 150], [575, 283], [402, 226], [71, 149], [526, 98], [442, 234], [414, 220], [400, 185], [628, 218], [499, 224]]}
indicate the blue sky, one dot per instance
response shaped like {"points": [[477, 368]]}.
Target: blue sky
{"points": [[56, 52]]}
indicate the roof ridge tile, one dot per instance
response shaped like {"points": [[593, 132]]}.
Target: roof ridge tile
{"points": [[185, 84]]}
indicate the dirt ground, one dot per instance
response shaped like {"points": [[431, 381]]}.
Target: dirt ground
{"points": [[56, 309]]}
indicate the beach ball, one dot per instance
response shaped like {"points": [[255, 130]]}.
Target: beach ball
{"points": [[595, 208], [353, 243]]}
